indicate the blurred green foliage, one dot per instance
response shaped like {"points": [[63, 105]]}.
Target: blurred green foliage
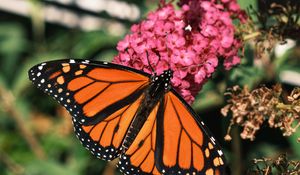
{"points": [[36, 135]]}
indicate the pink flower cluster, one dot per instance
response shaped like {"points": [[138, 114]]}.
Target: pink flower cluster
{"points": [[191, 41]]}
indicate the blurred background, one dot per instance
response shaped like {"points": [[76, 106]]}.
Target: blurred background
{"points": [[36, 135]]}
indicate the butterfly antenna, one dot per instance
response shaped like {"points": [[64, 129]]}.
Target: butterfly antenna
{"points": [[152, 69]]}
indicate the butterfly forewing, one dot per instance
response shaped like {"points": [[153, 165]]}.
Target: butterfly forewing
{"points": [[101, 97]]}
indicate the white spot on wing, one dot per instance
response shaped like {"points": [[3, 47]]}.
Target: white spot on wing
{"points": [[86, 61], [220, 152], [213, 140]]}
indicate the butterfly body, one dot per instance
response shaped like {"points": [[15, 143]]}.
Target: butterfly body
{"points": [[159, 85], [122, 112]]}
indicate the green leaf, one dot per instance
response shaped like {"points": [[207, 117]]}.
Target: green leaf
{"points": [[208, 97], [295, 145], [281, 61], [49, 168], [246, 75], [245, 4], [12, 39], [12, 45], [93, 42]]}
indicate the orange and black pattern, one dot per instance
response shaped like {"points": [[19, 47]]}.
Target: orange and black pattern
{"points": [[122, 112], [93, 94], [173, 141]]}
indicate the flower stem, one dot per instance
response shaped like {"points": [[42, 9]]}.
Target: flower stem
{"points": [[283, 106], [251, 36], [7, 101], [236, 148]]}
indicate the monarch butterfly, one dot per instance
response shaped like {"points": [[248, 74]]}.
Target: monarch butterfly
{"points": [[122, 112]]}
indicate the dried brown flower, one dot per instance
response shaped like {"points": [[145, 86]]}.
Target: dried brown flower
{"points": [[279, 165], [250, 109], [275, 23]]}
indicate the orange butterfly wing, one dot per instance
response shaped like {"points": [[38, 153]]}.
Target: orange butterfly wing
{"points": [[173, 141], [186, 144], [140, 156], [105, 138], [102, 98]]}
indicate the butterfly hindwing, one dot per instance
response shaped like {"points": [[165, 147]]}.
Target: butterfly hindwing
{"points": [[105, 138], [139, 159], [173, 141], [101, 97]]}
